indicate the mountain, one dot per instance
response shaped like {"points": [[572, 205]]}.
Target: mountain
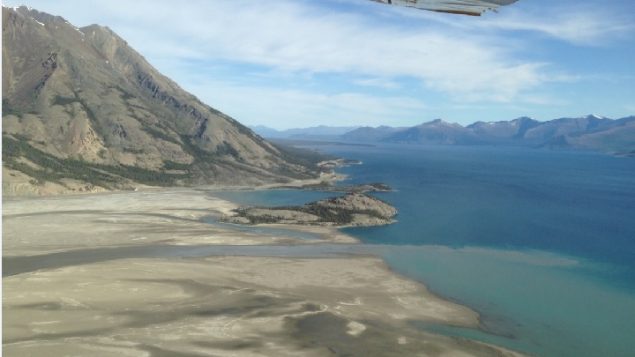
{"points": [[433, 132], [503, 132], [616, 136], [266, 132], [590, 132], [82, 110], [564, 127], [369, 134], [321, 132]]}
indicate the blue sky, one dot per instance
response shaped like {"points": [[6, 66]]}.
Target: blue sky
{"points": [[299, 63]]}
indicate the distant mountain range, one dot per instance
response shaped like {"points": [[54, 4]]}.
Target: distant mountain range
{"points": [[82, 110], [591, 132]]}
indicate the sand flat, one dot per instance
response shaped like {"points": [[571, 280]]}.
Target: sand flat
{"points": [[227, 305], [209, 306], [43, 225]]}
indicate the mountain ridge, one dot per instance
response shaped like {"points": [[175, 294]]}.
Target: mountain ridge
{"points": [[590, 132], [614, 136]]}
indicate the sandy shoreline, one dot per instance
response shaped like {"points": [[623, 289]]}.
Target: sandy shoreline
{"points": [[231, 305]]}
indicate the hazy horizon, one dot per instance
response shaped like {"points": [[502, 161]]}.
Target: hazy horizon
{"points": [[431, 120]]}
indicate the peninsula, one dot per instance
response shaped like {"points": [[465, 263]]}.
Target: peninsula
{"points": [[351, 209]]}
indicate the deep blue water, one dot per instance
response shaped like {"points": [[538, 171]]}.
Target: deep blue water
{"points": [[540, 242], [580, 204]]}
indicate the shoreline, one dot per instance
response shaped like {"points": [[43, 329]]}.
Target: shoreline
{"points": [[173, 217]]}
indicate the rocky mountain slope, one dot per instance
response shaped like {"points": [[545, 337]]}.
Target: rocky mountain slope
{"points": [[82, 110]]}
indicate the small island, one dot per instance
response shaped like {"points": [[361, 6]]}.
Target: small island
{"points": [[353, 209], [361, 188]]}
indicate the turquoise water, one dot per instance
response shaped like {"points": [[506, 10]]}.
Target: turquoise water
{"points": [[535, 302], [541, 243]]}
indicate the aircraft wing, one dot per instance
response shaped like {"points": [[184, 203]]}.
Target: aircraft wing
{"points": [[463, 7]]}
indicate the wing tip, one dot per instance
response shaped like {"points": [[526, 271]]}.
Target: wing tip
{"points": [[458, 12]]}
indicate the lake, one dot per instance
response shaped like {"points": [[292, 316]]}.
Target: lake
{"points": [[540, 242]]}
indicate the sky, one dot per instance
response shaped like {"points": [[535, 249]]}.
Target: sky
{"points": [[300, 63]]}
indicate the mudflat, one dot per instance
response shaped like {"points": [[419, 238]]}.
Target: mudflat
{"points": [[203, 306]]}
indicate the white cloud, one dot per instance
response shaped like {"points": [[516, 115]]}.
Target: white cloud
{"points": [[290, 48], [578, 22], [303, 37], [377, 82], [582, 25], [286, 108]]}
